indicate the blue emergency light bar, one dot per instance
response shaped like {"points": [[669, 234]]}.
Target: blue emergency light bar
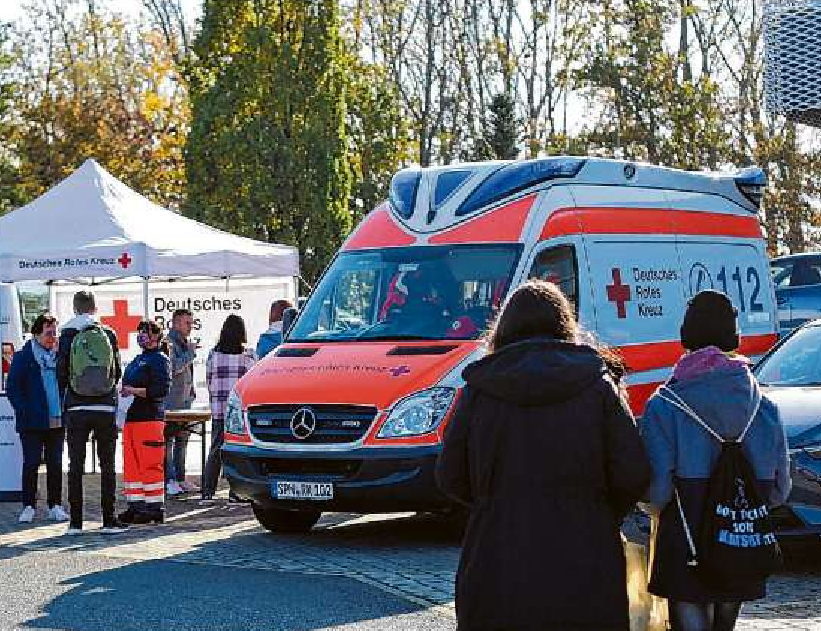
{"points": [[751, 182]]}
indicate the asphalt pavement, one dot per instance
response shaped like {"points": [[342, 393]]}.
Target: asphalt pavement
{"points": [[71, 590]]}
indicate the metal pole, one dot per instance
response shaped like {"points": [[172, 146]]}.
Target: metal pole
{"points": [[145, 296]]}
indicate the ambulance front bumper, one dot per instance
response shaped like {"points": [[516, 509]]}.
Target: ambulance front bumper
{"points": [[365, 479]]}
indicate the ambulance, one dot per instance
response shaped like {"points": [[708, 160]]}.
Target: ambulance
{"points": [[349, 413]]}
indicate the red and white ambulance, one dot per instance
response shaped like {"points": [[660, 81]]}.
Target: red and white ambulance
{"points": [[349, 413]]}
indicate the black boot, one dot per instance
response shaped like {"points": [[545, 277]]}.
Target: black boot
{"points": [[127, 517], [149, 516]]}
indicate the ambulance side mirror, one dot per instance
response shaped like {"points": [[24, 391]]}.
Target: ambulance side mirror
{"points": [[288, 317]]}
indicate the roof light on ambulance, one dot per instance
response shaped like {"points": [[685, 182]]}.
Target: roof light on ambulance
{"points": [[751, 182], [418, 414]]}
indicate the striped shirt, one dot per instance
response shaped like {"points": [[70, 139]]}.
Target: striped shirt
{"points": [[222, 371]]}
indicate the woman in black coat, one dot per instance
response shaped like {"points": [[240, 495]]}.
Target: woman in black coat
{"points": [[545, 452]]}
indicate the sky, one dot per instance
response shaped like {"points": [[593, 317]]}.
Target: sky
{"points": [[11, 10]]}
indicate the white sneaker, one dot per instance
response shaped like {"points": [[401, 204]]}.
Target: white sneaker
{"points": [[74, 530], [56, 513], [27, 516], [172, 489]]}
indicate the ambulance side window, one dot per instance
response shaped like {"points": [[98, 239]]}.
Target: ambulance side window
{"points": [[558, 266]]}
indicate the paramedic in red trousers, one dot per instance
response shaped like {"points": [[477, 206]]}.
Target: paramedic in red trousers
{"points": [[35, 396], [86, 415], [716, 383], [148, 379], [181, 397], [544, 450]]}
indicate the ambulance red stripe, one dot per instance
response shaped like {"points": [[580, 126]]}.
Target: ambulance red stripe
{"points": [[380, 230], [503, 225], [640, 357], [621, 220]]}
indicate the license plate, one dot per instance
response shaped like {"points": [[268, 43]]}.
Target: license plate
{"points": [[287, 490]]}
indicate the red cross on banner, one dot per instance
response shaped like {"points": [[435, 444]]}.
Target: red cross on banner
{"points": [[122, 323]]}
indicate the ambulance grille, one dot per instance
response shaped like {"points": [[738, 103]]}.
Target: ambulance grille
{"points": [[334, 423]]}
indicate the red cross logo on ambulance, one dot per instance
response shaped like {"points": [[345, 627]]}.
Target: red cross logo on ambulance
{"points": [[619, 293]]}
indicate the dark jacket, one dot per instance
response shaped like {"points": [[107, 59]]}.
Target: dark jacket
{"points": [[548, 457], [70, 398], [26, 392], [150, 370], [683, 455]]}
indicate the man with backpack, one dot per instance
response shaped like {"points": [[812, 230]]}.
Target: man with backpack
{"points": [[88, 369], [720, 463]]}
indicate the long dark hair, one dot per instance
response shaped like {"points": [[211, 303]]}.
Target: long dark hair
{"points": [[535, 309], [232, 336], [539, 309]]}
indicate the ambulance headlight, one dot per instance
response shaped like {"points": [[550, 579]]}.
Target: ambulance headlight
{"points": [[234, 422], [418, 414]]}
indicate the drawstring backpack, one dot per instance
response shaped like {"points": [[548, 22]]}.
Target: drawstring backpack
{"points": [[736, 542]]}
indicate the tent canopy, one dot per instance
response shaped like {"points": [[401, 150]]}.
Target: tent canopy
{"points": [[91, 225]]}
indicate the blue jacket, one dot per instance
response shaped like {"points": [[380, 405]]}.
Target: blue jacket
{"points": [[268, 341], [26, 392], [683, 454], [150, 370]]}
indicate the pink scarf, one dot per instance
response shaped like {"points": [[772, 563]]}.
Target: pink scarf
{"points": [[706, 360]]}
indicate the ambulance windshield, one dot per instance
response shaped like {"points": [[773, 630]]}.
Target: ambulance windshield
{"points": [[412, 293]]}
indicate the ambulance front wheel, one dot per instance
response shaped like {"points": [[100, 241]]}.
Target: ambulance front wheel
{"points": [[286, 521]]}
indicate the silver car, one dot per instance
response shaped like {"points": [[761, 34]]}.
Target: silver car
{"points": [[790, 375], [797, 280]]}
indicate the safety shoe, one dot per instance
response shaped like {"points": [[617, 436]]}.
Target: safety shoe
{"points": [[113, 527], [56, 513], [27, 516], [172, 489]]}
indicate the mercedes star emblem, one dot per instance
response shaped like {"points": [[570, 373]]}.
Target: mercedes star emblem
{"points": [[303, 423]]}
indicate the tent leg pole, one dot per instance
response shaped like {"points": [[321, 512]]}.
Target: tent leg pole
{"points": [[145, 296]]}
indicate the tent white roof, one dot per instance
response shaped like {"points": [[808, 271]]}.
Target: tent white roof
{"points": [[91, 225]]}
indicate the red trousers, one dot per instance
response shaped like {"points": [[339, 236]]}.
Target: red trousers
{"points": [[144, 454]]}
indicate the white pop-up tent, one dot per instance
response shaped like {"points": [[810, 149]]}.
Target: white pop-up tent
{"points": [[92, 226]]}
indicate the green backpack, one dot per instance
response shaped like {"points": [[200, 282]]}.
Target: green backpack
{"points": [[91, 366]]}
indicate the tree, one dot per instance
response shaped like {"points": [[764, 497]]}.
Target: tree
{"points": [[268, 155], [9, 197], [90, 84], [503, 138]]}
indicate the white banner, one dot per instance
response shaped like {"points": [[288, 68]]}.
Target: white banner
{"points": [[120, 306], [11, 453]]}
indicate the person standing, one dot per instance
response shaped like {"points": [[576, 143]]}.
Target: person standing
{"points": [[544, 451], [88, 369], [272, 338], [181, 397], [35, 396], [148, 379], [717, 385], [227, 362]]}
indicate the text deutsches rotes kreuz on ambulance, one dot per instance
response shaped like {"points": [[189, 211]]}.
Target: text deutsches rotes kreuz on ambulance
{"points": [[649, 286]]}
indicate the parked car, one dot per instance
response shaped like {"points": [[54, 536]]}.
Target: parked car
{"points": [[797, 280], [790, 375]]}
